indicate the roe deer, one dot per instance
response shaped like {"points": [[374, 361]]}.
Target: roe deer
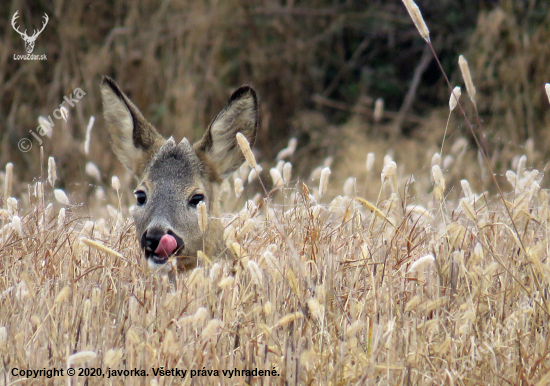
{"points": [[174, 178]]}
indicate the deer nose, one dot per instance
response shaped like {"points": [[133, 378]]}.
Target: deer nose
{"points": [[160, 242], [152, 238]]}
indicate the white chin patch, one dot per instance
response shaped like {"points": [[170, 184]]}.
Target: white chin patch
{"points": [[159, 268]]}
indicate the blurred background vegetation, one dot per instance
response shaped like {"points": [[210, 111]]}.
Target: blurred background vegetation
{"points": [[318, 65]]}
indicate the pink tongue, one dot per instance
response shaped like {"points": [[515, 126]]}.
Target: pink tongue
{"points": [[167, 245]]}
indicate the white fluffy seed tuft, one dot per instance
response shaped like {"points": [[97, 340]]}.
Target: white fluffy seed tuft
{"points": [[61, 197], [203, 218], [81, 357], [287, 172], [421, 262], [417, 18], [323, 182], [199, 317], [16, 225], [245, 148], [88, 135], [378, 110], [388, 171], [349, 187], [370, 162], [52, 173], [547, 89], [93, 171], [465, 70], [276, 177], [115, 183], [45, 126], [8, 180], [255, 273], [238, 186], [455, 96]]}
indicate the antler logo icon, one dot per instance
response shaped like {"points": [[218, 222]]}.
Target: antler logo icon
{"points": [[29, 40]]}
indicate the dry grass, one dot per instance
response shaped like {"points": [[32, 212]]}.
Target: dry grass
{"points": [[429, 282], [325, 292]]}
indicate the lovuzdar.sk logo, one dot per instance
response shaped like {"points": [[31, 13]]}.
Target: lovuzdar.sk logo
{"points": [[29, 40]]}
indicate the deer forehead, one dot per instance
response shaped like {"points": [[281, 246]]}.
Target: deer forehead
{"points": [[176, 170], [179, 162]]}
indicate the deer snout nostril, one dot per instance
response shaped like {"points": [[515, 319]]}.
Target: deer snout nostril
{"points": [[151, 243], [152, 238]]}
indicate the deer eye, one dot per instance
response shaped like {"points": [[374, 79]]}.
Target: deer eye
{"points": [[141, 197], [194, 201]]}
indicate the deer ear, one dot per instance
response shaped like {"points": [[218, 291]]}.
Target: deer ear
{"points": [[219, 143], [134, 140]]}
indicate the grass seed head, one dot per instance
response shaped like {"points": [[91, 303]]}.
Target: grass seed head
{"points": [[40, 191], [199, 317], [349, 187], [100, 247], [88, 135], [417, 18], [211, 329], [245, 148], [290, 318], [422, 262], [521, 166], [49, 212], [12, 205], [215, 272], [52, 172], [61, 197], [323, 182], [115, 183], [22, 292], [203, 218], [466, 188], [468, 209], [16, 225], [465, 70], [62, 295], [226, 282], [276, 177], [289, 150], [254, 173], [93, 171], [255, 273], [8, 180], [81, 357], [455, 96], [112, 357], [370, 162], [436, 159], [378, 110], [238, 186], [45, 126], [336, 204], [438, 177], [287, 172], [61, 218], [388, 171]]}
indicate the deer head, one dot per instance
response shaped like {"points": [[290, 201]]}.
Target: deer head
{"points": [[29, 40], [173, 178]]}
